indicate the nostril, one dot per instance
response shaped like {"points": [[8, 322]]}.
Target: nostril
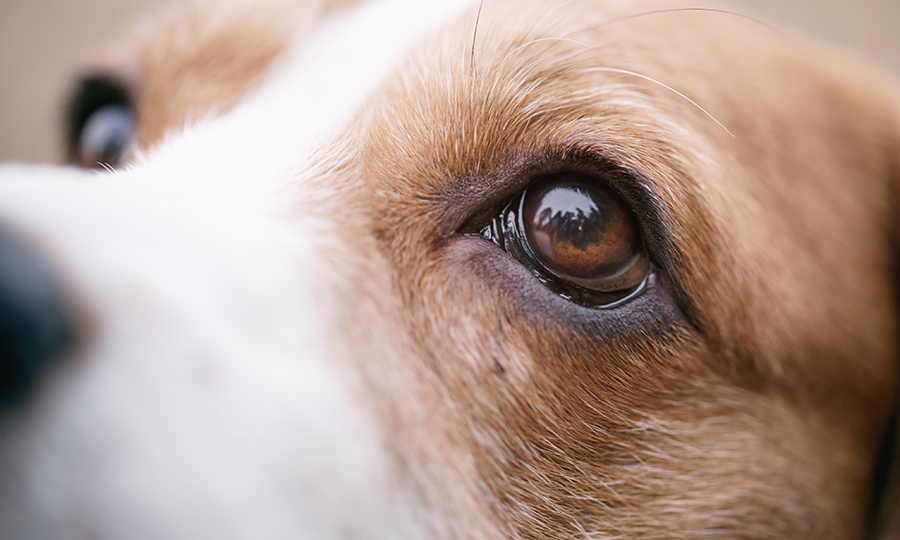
{"points": [[34, 326]]}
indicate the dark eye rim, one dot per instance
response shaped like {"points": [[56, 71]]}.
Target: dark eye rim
{"points": [[92, 93], [629, 176], [470, 202]]}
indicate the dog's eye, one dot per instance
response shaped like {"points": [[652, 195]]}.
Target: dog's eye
{"points": [[100, 123], [577, 235], [582, 231], [105, 136]]}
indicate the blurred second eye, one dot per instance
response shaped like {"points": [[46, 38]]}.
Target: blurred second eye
{"points": [[105, 136]]}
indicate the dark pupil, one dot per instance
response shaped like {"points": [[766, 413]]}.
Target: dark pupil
{"points": [[579, 228]]}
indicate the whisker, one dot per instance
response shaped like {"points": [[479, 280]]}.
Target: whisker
{"points": [[538, 40], [634, 16], [629, 17], [677, 10], [475, 32], [667, 87], [107, 167]]}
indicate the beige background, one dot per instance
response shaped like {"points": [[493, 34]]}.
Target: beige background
{"points": [[42, 42]]}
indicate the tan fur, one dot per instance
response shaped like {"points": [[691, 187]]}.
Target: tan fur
{"points": [[201, 64], [759, 414], [200, 59], [755, 410]]}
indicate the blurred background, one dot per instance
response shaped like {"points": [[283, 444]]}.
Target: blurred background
{"points": [[43, 42]]}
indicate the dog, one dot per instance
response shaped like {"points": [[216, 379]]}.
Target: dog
{"points": [[513, 269]]}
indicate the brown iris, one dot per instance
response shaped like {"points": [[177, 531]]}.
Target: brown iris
{"points": [[580, 230]]}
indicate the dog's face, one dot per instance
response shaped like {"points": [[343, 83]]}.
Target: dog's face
{"points": [[580, 269]]}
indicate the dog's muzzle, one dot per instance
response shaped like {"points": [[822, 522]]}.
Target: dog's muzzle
{"points": [[166, 370], [34, 325]]}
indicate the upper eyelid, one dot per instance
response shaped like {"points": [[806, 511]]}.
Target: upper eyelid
{"points": [[635, 188]]}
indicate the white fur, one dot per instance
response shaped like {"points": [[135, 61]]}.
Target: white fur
{"points": [[274, 135], [203, 405]]}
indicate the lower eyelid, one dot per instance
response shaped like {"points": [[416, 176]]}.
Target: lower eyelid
{"points": [[634, 271], [590, 299], [650, 309]]}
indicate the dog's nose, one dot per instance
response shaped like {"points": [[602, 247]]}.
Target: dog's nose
{"points": [[34, 326]]}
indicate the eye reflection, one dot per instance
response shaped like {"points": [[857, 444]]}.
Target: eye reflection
{"points": [[578, 228]]}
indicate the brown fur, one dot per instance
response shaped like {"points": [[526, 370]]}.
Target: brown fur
{"points": [[753, 408], [200, 59], [756, 415], [202, 64]]}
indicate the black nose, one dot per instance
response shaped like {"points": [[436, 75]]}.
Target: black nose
{"points": [[34, 325]]}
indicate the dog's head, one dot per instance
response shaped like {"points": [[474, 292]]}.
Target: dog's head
{"points": [[398, 269]]}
